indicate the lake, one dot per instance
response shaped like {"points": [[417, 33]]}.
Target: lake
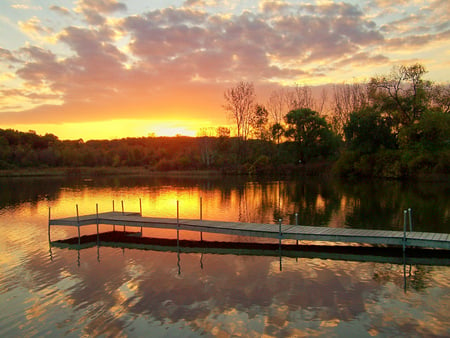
{"points": [[158, 291]]}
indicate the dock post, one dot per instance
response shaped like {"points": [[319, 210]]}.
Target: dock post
{"points": [[404, 229], [410, 220], [49, 241], [78, 223], [280, 234], [201, 216], [140, 211], [123, 212], [178, 223], [96, 211], [279, 242], [114, 226]]}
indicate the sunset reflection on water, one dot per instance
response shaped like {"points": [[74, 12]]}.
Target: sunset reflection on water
{"points": [[118, 291]]}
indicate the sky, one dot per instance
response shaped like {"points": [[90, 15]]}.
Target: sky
{"points": [[102, 69]]}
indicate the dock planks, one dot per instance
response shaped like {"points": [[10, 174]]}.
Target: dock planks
{"points": [[295, 232]]}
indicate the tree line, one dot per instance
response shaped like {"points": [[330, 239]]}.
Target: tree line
{"points": [[395, 125]]}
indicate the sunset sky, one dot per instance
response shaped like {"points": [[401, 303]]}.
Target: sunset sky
{"points": [[96, 69]]}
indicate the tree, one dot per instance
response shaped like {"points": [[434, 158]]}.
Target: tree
{"points": [[239, 104], [276, 131], [403, 94], [277, 105], [311, 134], [431, 133], [259, 121], [348, 98], [440, 98], [366, 131]]}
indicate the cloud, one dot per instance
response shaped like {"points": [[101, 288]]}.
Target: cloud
{"points": [[60, 10], [93, 10], [7, 56], [26, 7], [179, 60], [34, 26]]}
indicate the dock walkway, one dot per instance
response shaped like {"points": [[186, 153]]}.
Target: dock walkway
{"points": [[276, 231]]}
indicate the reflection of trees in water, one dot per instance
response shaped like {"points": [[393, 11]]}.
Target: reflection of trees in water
{"points": [[314, 199], [373, 204], [380, 204], [363, 204], [417, 277], [16, 191]]}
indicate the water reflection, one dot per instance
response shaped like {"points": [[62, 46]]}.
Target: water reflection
{"points": [[121, 291], [372, 205]]}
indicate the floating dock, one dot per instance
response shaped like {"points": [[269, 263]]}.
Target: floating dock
{"points": [[276, 231]]}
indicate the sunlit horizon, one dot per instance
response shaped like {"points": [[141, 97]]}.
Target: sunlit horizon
{"points": [[118, 129], [113, 69]]}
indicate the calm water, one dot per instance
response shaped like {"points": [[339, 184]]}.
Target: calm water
{"points": [[129, 292]]}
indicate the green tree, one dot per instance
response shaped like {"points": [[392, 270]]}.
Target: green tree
{"points": [[367, 131], [310, 133], [430, 133], [259, 122], [403, 94]]}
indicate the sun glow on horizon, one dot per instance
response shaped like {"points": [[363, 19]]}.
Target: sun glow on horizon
{"points": [[116, 129]]}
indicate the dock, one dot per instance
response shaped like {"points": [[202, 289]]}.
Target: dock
{"points": [[385, 238]]}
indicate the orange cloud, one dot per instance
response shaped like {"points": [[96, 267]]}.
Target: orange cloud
{"points": [[176, 62]]}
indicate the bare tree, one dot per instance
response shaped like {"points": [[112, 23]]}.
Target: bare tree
{"points": [[277, 105], [240, 106], [300, 97], [206, 145], [440, 97], [348, 98]]}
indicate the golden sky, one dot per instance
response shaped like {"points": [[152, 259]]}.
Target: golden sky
{"points": [[110, 69]]}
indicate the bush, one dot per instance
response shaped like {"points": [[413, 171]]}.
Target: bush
{"points": [[344, 165]]}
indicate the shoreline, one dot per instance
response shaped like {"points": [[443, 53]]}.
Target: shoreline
{"points": [[88, 172], [100, 171]]}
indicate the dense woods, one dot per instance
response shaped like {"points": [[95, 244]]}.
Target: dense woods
{"points": [[396, 125]]}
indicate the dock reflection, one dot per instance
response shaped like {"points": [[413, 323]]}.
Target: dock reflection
{"points": [[134, 240]]}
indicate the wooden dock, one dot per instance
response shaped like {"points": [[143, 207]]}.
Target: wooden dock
{"points": [[275, 231]]}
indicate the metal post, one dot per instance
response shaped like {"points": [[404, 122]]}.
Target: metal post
{"points": [[49, 241], [279, 231], [96, 210], [404, 230], [123, 212], [296, 218], [140, 211], [78, 223], [178, 223], [201, 216], [114, 226], [410, 220], [279, 242]]}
